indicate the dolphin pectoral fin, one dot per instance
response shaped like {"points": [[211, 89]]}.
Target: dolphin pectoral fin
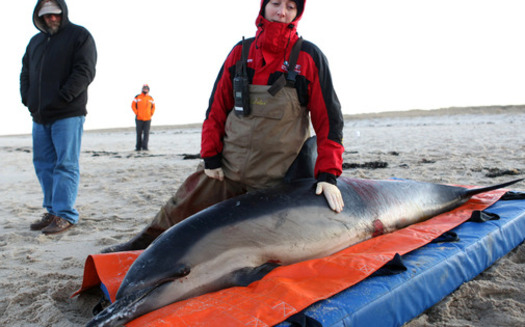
{"points": [[248, 275]]}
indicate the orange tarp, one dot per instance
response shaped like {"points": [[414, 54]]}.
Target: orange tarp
{"points": [[286, 290]]}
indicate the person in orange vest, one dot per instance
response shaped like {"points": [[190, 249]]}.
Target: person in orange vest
{"points": [[143, 106]]}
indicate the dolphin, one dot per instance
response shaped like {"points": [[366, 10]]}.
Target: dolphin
{"points": [[238, 241]]}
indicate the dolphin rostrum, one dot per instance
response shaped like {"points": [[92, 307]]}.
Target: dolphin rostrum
{"points": [[240, 240]]}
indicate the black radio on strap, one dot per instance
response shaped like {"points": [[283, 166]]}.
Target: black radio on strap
{"points": [[241, 91], [291, 75]]}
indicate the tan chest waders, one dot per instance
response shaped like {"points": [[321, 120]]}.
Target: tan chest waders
{"points": [[262, 141]]}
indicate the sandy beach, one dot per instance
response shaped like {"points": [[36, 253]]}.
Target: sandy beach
{"points": [[121, 189]]}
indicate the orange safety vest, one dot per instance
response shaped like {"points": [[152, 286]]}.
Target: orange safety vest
{"points": [[143, 106]]}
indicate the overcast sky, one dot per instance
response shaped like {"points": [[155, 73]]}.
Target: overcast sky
{"points": [[384, 54]]}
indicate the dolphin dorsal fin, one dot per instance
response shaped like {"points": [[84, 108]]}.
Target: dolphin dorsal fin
{"points": [[304, 164]]}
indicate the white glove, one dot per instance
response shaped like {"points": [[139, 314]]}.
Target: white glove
{"points": [[216, 173], [332, 194]]}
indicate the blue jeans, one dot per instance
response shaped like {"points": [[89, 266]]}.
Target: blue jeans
{"points": [[56, 152]]}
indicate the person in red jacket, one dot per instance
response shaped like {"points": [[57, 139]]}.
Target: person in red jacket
{"points": [[251, 146], [143, 106]]}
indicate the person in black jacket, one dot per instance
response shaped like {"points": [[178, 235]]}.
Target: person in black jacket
{"points": [[57, 67]]}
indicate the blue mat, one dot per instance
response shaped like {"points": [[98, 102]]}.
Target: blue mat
{"points": [[433, 272]]}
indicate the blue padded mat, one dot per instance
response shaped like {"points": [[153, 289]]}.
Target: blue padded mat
{"points": [[433, 272]]}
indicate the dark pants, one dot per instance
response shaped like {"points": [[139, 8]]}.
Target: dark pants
{"points": [[197, 193], [142, 128]]}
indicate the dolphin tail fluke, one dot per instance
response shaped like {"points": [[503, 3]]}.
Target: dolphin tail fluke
{"points": [[475, 191]]}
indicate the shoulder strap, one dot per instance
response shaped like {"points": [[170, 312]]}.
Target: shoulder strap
{"points": [[291, 74], [240, 65], [292, 62]]}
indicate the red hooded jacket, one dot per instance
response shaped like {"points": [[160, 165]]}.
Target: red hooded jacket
{"points": [[268, 52]]}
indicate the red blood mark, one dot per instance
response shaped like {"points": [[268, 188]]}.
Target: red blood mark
{"points": [[379, 228]]}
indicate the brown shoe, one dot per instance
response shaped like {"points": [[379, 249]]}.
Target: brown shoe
{"points": [[58, 225], [46, 219]]}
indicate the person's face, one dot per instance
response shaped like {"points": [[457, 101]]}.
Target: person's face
{"points": [[145, 90], [281, 11], [53, 22]]}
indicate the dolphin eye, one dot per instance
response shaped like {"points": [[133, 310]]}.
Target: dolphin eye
{"points": [[182, 271]]}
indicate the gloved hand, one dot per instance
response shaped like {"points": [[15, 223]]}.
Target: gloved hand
{"points": [[332, 194], [216, 173]]}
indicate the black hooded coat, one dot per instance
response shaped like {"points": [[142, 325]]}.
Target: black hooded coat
{"points": [[57, 69]]}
